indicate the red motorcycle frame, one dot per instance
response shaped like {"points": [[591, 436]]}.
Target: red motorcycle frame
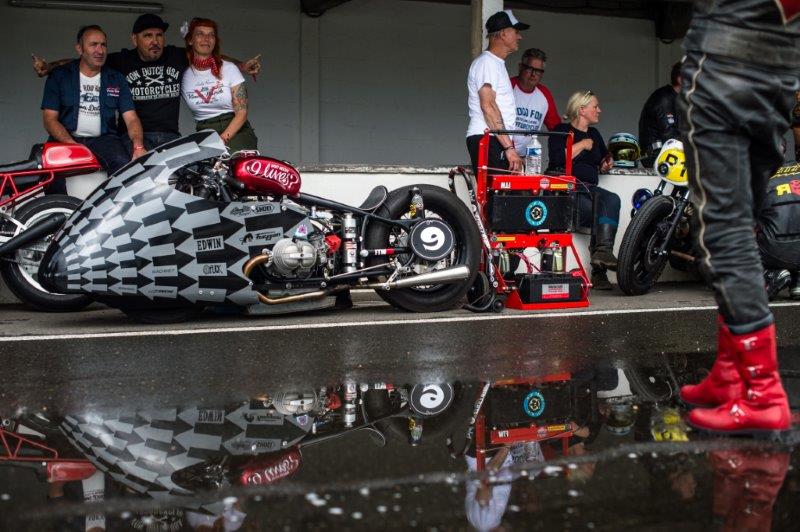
{"points": [[27, 218], [46, 162], [19, 449]]}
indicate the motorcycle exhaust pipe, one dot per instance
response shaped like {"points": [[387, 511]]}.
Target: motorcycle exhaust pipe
{"points": [[448, 275], [34, 233], [264, 258]]}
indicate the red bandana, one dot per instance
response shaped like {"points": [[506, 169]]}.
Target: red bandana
{"points": [[205, 64]]}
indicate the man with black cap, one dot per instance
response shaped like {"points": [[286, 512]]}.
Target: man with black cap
{"points": [[153, 70], [491, 97]]}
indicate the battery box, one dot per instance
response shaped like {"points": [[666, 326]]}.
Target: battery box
{"points": [[522, 404], [514, 213], [549, 287]]}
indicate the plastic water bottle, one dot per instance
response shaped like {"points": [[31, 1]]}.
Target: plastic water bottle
{"points": [[533, 157]]}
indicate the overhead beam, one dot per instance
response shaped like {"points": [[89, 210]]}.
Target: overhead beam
{"points": [[315, 8]]}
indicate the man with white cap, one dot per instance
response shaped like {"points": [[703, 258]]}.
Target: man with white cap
{"points": [[491, 97]]}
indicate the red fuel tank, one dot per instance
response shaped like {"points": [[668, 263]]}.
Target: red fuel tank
{"points": [[56, 155], [265, 175]]}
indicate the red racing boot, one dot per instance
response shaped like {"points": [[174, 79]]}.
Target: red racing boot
{"points": [[746, 484], [764, 406], [723, 383]]}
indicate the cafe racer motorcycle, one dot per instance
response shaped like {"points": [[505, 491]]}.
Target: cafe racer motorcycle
{"points": [[659, 231], [23, 209], [188, 226], [192, 449]]}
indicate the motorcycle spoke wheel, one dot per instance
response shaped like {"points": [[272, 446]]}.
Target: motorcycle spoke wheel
{"points": [[442, 204], [639, 264], [21, 275]]}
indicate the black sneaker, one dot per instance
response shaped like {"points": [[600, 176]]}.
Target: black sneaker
{"points": [[794, 286], [776, 280]]}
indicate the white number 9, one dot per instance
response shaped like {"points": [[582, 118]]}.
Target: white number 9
{"points": [[431, 396], [432, 238]]}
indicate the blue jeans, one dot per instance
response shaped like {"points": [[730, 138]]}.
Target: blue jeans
{"points": [[109, 149], [600, 203]]}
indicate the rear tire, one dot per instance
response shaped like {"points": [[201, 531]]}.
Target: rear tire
{"points": [[467, 250], [638, 268], [21, 276]]}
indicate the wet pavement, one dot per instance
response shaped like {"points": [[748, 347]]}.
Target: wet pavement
{"points": [[342, 419]]}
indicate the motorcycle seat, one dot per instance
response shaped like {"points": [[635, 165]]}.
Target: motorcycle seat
{"points": [[33, 162], [375, 199]]}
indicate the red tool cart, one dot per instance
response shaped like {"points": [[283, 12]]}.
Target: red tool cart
{"points": [[532, 409], [532, 211]]}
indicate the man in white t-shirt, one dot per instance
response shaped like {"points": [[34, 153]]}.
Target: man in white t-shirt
{"points": [[490, 95], [535, 104]]}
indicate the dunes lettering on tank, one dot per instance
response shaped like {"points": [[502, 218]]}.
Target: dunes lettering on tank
{"points": [[790, 9], [265, 175]]}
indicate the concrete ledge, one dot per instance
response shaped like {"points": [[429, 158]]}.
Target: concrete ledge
{"points": [[100, 357]]}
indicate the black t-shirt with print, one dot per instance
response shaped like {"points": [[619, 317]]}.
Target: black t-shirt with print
{"points": [[586, 164], [155, 85]]}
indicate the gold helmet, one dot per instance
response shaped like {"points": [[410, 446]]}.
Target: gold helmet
{"points": [[670, 164]]}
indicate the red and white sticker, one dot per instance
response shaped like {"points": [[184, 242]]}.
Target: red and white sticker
{"points": [[555, 291]]}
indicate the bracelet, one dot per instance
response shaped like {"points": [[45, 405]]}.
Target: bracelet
{"points": [[138, 147], [508, 147]]}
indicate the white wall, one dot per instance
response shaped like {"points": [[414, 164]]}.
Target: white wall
{"points": [[371, 81]]}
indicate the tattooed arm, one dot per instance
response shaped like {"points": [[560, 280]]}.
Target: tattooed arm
{"points": [[494, 119], [239, 101]]}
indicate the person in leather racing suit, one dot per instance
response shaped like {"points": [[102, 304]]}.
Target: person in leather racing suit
{"points": [[778, 232], [738, 83], [658, 121]]}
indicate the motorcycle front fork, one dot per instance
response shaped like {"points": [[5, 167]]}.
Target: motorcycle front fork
{"points": [[680, 206]]}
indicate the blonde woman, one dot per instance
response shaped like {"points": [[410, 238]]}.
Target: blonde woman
{"points": [[590, 157]]}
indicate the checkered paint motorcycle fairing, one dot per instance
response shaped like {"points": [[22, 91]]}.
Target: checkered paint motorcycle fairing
{"points": [[137, 237]]}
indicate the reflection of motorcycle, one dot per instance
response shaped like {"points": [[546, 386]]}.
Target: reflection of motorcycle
{"points": [[179, 451], [186, 226], [659, 229], [22, 208]]}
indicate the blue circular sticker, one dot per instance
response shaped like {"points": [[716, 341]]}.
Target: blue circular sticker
{"points": [[536, 213], [533, 404]]}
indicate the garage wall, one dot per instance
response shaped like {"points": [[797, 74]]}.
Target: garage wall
{"points": [[371, 81]]}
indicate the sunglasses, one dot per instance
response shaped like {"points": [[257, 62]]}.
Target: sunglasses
{"points": [[532, 70]]}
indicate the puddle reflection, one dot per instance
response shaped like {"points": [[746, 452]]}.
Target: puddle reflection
{"points": [[601, 448]]}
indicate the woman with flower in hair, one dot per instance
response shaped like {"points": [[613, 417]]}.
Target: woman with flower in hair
{"points": [[214, 88]]}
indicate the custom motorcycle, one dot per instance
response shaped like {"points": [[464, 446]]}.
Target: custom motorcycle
{"points": [[659, 231], [24, 210], [188, 226], [189, 450]]}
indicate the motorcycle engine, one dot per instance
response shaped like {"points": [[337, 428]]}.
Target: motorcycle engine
{"points": [[294, 257]]}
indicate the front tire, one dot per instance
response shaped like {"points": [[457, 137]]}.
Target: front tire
{"points": [[21, 275], [439, 203], [639, 268]]}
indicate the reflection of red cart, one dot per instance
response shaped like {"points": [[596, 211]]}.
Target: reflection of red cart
{"points": [[524, 410], [533, 211]]}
